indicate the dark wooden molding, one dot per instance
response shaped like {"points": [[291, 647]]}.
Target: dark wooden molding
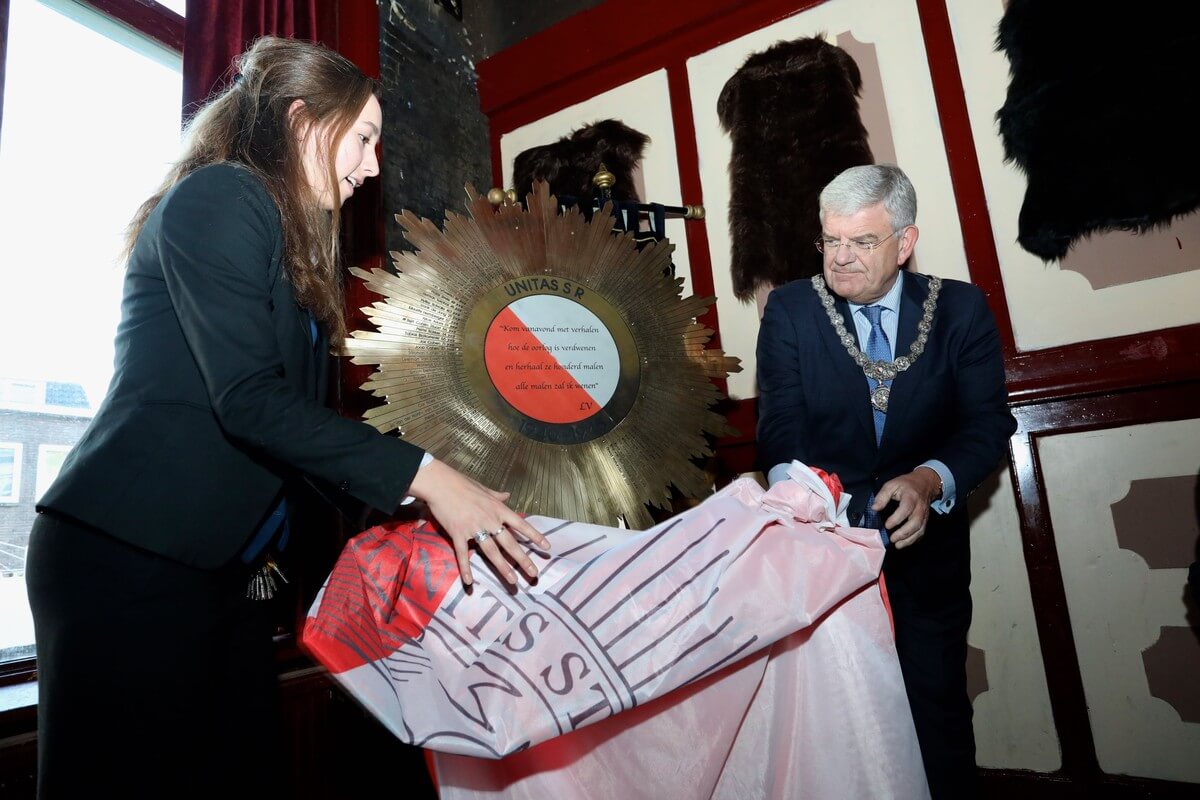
{"points": [[1134, 406], [1068, 702], [1001, 784], [1156, 357], [144, 16], [20, 670]]}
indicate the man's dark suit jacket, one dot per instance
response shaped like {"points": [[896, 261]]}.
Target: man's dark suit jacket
{"points": [[814, 406], [216, 396]]}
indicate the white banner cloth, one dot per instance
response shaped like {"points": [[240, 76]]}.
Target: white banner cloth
{"points": [[765, 610]]}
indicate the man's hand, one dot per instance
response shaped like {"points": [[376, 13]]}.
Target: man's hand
{"points": [[914, 492]]}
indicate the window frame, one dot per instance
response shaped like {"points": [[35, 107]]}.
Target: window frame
{"points": [[144, 17], [164, 28], [147, 18], [18, 450], [40, 483], [9, 396]]}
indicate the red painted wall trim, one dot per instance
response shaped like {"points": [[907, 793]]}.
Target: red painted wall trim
{"points": [[600, 50], [357, 36], [1106, 365], [516, 87], [688, 160], [965, 177], [497, 163], [628, 33]]}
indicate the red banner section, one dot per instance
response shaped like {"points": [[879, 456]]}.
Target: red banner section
{"points": [[400, 572]]}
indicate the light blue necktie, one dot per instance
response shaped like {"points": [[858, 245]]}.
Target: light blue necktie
{"points": [[878, 349]]}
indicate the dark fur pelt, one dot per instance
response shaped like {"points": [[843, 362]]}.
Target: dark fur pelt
{"points": [[792, 114], [569, 164], [1095, 116]]}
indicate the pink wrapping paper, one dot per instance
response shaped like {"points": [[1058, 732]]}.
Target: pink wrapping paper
{"points": [[720, 600], [821, 714]]}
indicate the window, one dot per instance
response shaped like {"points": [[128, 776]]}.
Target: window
{"points": [[49, 462], [19, 393], [90, 123], [10, 472]]}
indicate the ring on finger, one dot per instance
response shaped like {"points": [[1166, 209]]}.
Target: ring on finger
{"points": [[500, 530], [481, 536]]}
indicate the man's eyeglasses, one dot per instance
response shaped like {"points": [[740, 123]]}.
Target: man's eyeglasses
{"points": [[860, 247]]}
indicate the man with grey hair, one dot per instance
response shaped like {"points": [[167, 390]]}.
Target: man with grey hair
{"points": [[895, 381]]}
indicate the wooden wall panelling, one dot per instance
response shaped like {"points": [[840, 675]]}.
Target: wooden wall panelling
{"points": [[964, 169], [339, 750], [643, 104], [600, 53], [598, 50], [898, 107], [1059, 651], [1076, 340], [1114, 381], [1006, 679], [1122, 506]]}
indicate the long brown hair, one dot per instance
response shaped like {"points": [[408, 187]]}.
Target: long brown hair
{"points": [[249, 123]]}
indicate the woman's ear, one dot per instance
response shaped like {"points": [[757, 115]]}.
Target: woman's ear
{"points": [[296, 120]]}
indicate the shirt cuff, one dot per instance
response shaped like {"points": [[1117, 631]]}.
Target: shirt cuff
{"points": [[426, 460], [946, 502], [778, 473]]}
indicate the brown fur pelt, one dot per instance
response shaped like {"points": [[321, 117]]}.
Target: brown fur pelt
{"points": [[1096, 116], [569, 164], [792, 115]]}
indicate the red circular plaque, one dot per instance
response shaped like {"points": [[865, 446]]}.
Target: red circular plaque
{"points": [[551, 359]]}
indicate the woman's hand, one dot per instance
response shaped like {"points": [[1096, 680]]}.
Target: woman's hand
{"points": [[464, 507]]}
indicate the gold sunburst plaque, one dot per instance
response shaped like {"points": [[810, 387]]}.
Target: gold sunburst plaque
{"points": [[542, 354]]}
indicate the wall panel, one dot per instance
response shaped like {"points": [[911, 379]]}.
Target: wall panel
{"points": [[1121, 597], [1080, 628]]}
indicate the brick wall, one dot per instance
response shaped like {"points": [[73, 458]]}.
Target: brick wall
{"points": [[436, 138], [29, 429]]}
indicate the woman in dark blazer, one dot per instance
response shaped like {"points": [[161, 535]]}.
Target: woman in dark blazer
{"points": [[156, 676]]}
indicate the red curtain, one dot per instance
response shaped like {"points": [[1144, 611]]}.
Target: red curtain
{"points": [[219, 30]]}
